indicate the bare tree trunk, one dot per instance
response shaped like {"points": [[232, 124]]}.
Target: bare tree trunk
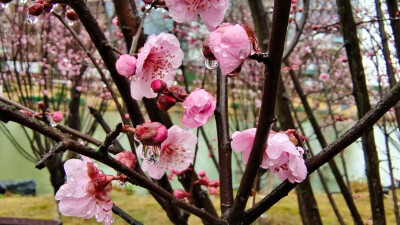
{"points": [[360, 92]]}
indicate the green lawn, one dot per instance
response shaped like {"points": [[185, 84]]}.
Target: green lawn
{"points": [[146, 210]]}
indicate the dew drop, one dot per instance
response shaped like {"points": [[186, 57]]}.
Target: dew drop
{"points": [[147, 6], [51, 121], [32, 19], [224, 54], [151, 154], [217, 49], [70, 23], [264, 216], [122, 183], [211, 64], [4, 5], [23, 1]]}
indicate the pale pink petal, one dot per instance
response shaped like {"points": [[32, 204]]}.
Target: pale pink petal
{"points": [[211, 11], [157, 60], [199, 107], [230, 46], [214, 15], [79, 207]]}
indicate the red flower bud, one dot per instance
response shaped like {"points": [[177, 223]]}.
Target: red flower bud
{"points": [[178, 92], [35, 9], [214, 183], [71, 15], [151, 133], [165, 102], [158, 86], [179, 193], [315, 27], [41, 105]]}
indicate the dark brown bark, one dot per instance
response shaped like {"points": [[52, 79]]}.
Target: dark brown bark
{"points": [[56, 170], [224, 147], [280, 20], [386, 55], [360, 92]]}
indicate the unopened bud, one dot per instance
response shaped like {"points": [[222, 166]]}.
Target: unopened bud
{"points": [[71, 15], [127, 158], [151, 133], [179, 193], [165, 102], [36, 9], [178, 92], [158, 86], [41, 105]]}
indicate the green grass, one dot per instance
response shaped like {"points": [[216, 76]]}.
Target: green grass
{"points": [[146, 209]]}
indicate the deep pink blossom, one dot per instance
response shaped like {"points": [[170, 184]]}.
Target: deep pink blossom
{"points": [[157, 59], [176, 152], [151, 133], [57, 116], [211, 11], [199, 107], [230, 45], [126, 65], [281, 156], [86, 193]]}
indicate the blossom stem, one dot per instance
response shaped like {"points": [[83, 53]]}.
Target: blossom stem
{"points": [[109, 140]]}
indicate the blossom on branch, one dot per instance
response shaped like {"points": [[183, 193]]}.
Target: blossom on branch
{"points": [[157, 60], [282, 157], [199, 107], [87, 191], [176, 152], [211, 11], [126, 65], [230, 45]]}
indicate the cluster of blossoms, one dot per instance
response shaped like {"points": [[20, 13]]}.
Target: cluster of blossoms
{"points": [[281, 156]]}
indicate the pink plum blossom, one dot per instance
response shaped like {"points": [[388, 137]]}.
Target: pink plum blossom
{"points": [[179, 193], [282, 157], [199, 107], [126, 65], [211, 11], [57, 116], [176, 152], [157, 59], [324, 77], [230, 45], [285, 159], [86, 193]]}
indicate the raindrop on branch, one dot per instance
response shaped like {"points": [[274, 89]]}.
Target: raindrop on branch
{"points": [[211, 64], [32, 19]]}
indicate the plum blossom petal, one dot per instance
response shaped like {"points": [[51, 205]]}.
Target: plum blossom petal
{"points": [[199, 107], [230, 45], [242, 142], [86, 193], [157, 60], [176, 153], [211, 11]]}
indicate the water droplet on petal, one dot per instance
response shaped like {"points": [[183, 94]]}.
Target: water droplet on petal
{"points": [[217, 49], [4, 5], [211, 64], [151, 154], [224, 54], [32, 19], [147, 6]]}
